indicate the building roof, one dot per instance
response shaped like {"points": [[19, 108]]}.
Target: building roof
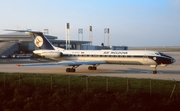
{"points": [[16, 36], [19, 36], [71, 41]]}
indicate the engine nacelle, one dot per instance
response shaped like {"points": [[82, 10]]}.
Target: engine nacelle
{"points": [[52, 54]]}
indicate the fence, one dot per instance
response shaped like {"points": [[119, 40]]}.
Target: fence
{"points": [[89, 83]]}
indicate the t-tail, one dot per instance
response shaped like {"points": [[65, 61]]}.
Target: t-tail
{"points": [[40, 41]]}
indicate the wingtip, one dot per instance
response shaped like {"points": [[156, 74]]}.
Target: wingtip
{"points": [[18, 65], [6, 29]]}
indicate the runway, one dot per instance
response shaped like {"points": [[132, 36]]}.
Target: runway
{"points": [[170, 72]]}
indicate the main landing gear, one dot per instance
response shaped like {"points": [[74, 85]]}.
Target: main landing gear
{"points": [[94, 67], [73, 69], [70, 70]]}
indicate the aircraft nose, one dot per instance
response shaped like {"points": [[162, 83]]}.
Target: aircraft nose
{"points": [[173, 60]]}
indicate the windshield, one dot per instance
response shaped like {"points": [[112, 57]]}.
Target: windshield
{"points": [[162, 54], [157, 53]]}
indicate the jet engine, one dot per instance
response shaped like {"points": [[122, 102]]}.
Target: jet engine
{"points": [[52, 54]]}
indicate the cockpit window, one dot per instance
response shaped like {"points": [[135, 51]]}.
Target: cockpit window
{"points": [[162, 54], [157, 53]]}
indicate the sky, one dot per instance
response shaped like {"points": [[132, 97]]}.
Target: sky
{"points": [[131, 22]]}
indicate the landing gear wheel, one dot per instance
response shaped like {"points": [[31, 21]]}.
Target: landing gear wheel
{"points": [[70, 70], [154, 72], [92, 68], [73, 70]]}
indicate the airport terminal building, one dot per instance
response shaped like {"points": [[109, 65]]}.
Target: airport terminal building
{"points": [[21, 43]]}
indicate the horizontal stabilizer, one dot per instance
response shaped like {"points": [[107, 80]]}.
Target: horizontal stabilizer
{"points": [[24, 31]]}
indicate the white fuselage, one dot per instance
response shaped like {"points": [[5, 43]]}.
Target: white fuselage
{"points": [[129, 57], [75, 58]]}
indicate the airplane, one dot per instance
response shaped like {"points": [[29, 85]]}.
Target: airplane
{"points": [[76, 58]]}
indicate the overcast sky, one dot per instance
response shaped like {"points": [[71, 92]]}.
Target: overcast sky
{"points": [[131, 22]]}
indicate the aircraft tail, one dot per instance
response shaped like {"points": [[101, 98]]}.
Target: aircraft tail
{"points": [[40, 41]]}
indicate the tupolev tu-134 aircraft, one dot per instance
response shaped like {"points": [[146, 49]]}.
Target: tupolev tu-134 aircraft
{"points": [[75, 58]]}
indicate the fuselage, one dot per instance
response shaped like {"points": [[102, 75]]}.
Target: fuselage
{"points": [[126, 57], [75, 58]]}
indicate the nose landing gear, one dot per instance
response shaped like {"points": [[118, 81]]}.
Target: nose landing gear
{"points": [[155, 70]]}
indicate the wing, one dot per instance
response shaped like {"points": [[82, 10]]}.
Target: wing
{"points": [[69, 63]]}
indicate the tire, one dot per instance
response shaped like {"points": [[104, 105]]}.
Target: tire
{"points": [[154, 72], [67, 69], [90, 67], [94, 68], [72, 70]]}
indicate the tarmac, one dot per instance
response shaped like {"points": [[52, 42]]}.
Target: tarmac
{"points": [[170, 72]]}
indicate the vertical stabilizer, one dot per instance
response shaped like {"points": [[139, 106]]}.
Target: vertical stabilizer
{"points": [[40, 41]]}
